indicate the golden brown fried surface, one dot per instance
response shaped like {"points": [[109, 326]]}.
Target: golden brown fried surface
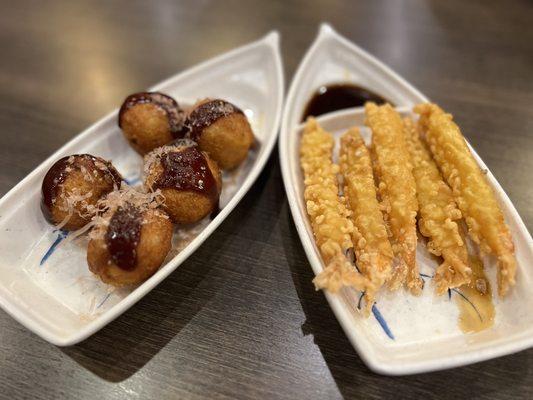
{"points": [[397, 190], [222, 130], [72, 188], [327, 211], [438, 214], [150, 248], [371, 243], [146, 127], [471, 190], [184, 206], [153, 247], [228, 140]]}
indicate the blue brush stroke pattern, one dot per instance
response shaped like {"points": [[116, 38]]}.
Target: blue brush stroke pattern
{"points": [[378, 317], [103, 301], [460, 294], [360, 299], [382, 322], [469, 302], [423, 281], [132, 181], [60, 236]]}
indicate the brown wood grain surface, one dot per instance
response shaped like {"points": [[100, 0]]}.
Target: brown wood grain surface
{"points": [[240, 318]]}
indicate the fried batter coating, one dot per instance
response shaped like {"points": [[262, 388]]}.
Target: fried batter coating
{"points": [[72, 188], [130, 239], [371, 243], [150, 120], [471, 191], [397, 190], [189, 180], [327, 211], [437, 215], [222, 130]]}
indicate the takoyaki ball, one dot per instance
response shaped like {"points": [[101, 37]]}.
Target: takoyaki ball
{"points": [[72, 187], [130, 241], [150, 120], [188, 179], [222, 130]]}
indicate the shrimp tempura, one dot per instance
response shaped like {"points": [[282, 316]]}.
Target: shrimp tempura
{"points": [[397, 190], [437, 215], [327, 211], [471, 190], [371, 243]]}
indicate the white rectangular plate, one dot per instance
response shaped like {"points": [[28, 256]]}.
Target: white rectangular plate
{"points": [[44, 281], [408, 334]]}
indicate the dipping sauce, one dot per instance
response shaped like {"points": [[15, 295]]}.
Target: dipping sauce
{"points": [[339, 96], [476, 310]]}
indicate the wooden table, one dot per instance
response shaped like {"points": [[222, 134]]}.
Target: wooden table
{"points": [[240, 319]]}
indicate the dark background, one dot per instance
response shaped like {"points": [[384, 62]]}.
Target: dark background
{"points": [[240, 318]]}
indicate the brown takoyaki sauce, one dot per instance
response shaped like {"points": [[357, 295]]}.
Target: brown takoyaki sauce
{"points": [[207, 113], [57, 174], [337, 97], [51, 182], [123, 235], [175, 115], [187, 170]]}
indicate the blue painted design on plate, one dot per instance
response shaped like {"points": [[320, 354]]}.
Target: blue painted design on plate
{"points": [[360, 299], [423, 280], [382, 322], [103, 301], [60, 236], [132, 181], [469, 302]]}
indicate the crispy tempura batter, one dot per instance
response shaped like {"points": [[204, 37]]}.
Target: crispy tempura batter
{"points": [[327, 211], [397, 190], [437, 215], [371, 244], [471, 190]]}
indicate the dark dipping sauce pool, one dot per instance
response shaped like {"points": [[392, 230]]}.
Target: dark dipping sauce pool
{"points": [[339, 96]]}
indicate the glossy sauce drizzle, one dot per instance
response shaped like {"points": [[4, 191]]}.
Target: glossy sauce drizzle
{"points": [[476, 309], [54, 178], [187, 169], [207, 113], [123, 235], [337, 97]]}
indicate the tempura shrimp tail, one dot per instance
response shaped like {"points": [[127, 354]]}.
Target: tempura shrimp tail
{"points": [[340, 273]]}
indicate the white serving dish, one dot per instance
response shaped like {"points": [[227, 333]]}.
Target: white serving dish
{"points": [[61, 300], [425, 329]]}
